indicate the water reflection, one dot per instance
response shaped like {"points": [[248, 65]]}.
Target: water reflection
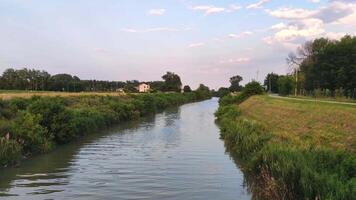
{"points": [[172, 155]]}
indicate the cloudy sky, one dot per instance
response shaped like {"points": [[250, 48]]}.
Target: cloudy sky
{"points": [[203, 41]]}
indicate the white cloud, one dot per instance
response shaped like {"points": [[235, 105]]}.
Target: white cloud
{"points": [[236, 36], [157, 29], [308, 28], [303, 24], [235, 60], [209, 9], [332, 12], [315, 1], [234, 7], [156, 11], [279, 26], [258, 4], [291, 13], [194, 45]]}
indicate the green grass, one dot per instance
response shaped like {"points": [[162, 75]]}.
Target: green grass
{"points": [[292, 149], [305, 123]]}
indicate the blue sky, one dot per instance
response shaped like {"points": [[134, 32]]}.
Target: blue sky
{"points": [[203, 41]]}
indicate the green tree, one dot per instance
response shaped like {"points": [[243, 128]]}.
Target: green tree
{"points": [[223, 92], [285, 85], [203, 92], [271, 82], [172, 82], [187, 88], [235, 83]]}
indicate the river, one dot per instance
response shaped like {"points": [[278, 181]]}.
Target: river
{"points": [[176, 154]]}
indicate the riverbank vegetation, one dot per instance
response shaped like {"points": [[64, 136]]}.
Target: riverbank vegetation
{"points": [[320, 68], [292, 149], [36, 125]]}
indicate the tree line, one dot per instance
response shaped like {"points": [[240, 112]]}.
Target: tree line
{"points": [[322, 67], [39, 80]]}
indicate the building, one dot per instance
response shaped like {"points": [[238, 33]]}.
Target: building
{"points": [[143, 87]]}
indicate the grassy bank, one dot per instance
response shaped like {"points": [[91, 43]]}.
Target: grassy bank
{"points": [[37, 124], [292, 149]]}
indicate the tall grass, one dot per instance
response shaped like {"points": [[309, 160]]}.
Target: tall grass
{"points": [[278, 169]]}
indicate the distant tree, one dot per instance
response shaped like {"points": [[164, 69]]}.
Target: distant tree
{"points": [[187, 88], [253, 88], [202, 92], [157, 85], [285, 85], [271, 82], [223, 92], [235, 83], [172, 82]]}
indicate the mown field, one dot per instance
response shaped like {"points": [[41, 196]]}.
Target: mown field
{"points": [[304, 123], [292, 149]]}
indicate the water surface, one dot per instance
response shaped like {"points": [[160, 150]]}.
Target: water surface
{"points": [[176, 154]]}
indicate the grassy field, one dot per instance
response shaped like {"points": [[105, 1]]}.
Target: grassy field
{"points": [[292, 149], [10, 94], [305, 123]]}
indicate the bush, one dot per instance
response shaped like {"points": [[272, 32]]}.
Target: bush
{"points": [[10, 152], [31, 135]]}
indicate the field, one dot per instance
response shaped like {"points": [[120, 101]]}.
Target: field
{"points": [[305, 123], [291, 148], [10, 94]]}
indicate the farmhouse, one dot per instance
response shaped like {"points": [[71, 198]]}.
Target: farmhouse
{"points": [[143, 87]]}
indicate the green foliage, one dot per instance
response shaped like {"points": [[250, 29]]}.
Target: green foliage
{"points": [[202, 92], [235, 83], [328, 64], [253, 88], [285, 85], [28, 131], [250, 89], [271, 82], [172, 82], [187, 88], [222, 92], [10, 152]]}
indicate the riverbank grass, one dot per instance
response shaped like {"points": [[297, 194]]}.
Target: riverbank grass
{"points": [[292, 149]]}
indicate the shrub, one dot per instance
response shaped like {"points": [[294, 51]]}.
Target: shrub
{"points": [[10, 152], [28, 131]]}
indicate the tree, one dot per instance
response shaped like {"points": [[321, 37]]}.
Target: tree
{"points": [[223, 92], [253, 88], [172, 82], [187, 88], [285, 85], [271, 82], [203, 92], [235, 83]]}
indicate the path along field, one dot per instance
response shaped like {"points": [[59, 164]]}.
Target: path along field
{"points": [[305, 122]]}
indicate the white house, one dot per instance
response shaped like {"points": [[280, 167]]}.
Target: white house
{"points": [[143, 87]]}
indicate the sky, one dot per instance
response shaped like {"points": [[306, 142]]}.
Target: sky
{"points": [[202, 41]]}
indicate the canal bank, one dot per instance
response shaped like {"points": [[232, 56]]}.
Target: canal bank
{"points": [[176, 154]]}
